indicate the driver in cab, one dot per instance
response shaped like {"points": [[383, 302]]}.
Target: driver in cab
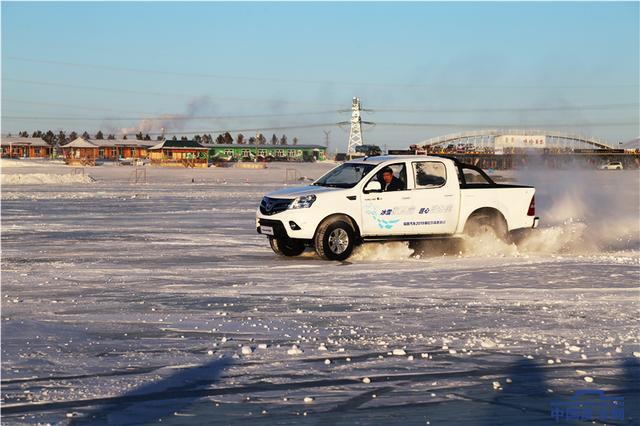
{"points": [[390, 182]]}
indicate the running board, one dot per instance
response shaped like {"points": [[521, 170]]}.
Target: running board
{"points": [[381, 238]]}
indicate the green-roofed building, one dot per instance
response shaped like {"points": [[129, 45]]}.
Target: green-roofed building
{"points": [[234, 152]]}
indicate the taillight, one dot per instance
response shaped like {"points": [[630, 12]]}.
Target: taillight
{"points": [[532, 207]]}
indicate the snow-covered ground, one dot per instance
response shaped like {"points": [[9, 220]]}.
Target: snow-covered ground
{"points": [[128, 303]]}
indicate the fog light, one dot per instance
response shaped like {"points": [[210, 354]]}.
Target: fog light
{"points": [[294, 225]]}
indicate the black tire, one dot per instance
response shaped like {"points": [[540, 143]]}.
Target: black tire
{"points": [[335, 240], [482, 223], [286, 247]]}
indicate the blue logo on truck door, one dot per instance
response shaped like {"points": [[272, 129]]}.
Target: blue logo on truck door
{"points": [[382, 222]]}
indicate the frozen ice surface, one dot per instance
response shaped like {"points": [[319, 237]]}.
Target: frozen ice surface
{"points": [[125, 303]]}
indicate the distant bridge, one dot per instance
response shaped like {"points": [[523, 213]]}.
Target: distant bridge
{"points": [[517, 138]]}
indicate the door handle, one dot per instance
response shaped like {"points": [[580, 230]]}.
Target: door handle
{"points": [[406, 198], [448, 195]]}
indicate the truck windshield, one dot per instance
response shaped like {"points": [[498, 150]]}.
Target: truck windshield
{"points": [[345, 176]]}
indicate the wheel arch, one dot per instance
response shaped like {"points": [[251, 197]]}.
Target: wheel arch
{"points": [[337, 216], [491, 212]]}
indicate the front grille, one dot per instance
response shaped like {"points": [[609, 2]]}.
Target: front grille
{"points": [[270, 206]]}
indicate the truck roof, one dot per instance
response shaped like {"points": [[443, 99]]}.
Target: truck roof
{"points": [[382, 158]]}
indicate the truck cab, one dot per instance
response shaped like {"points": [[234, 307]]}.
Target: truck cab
{"points": [[391, 198]]}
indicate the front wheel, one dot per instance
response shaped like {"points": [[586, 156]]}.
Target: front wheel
{"points": [[335, 240], [286, 247]]}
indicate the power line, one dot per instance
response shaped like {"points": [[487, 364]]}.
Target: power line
{"points": [[512, 125], [165, 94], [76, 106], [167, 117], [183, 117], [253, 129], [506, 109], [407, 125], [317, 82]]}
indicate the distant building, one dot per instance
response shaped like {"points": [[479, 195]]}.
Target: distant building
{"points": [[229, 152], [80, 152], [115, 149], [179, 153], [633, 144], [86, 152], [25, 148]]}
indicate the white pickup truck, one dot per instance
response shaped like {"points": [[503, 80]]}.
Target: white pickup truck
{"points": [[392, 198]]}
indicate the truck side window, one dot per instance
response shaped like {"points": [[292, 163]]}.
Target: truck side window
{"points": [[399, 172], [429, 174], [473, 177]]}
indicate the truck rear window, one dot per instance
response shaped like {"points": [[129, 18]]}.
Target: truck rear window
{"points": [[429, 174]]}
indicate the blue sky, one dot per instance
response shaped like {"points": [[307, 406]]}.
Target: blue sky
{"points": [[425, 69]]}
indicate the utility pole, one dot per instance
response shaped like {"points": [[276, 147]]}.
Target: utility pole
{"points": [[326, 138], [355, 135], [257, 142]]}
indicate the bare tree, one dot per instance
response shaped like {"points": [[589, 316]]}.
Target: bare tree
{"points": [[49, 138], [61, 138], [228, 139]]}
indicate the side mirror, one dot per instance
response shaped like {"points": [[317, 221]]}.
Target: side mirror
{"points": [[373, 186]]}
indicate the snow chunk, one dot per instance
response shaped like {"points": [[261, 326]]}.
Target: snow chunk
{"points": [[488, 344], [295, 350]]}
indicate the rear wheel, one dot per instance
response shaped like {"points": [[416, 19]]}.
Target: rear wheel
{"points": [[286, 247], [484, 223], [334, 240]]}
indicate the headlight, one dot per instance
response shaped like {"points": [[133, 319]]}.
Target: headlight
{"points": [[303, 202]]}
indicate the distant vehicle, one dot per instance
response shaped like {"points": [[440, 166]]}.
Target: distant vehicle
{"points": [[434, 197], [612, 165], [369, 150]]}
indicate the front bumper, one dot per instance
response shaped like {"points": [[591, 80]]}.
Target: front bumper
{"points": [[278, 228], [289, 224]]}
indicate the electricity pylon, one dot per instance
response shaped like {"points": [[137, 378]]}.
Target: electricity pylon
{"points": [[355, 135]]}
